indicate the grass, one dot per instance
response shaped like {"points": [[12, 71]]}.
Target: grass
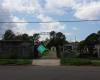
{"points": [[80, 61], [15, 61], [95, 62], [64, 61]]}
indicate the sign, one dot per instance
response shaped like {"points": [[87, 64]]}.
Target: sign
{"points": [[41, 49]]}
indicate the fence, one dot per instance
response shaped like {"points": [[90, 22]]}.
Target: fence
{"points": [[16, 51]]}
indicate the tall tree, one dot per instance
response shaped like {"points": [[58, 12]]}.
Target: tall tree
{"points": [[9, 35], [25, 37], [57, 40], [91, 39], [89, 43], [52, 34]]}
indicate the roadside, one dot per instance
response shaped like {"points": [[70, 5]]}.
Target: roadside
{"points": [[80, 61], [62, 62], [15, 61]]}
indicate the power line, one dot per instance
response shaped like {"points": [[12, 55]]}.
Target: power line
{"points": [[70, 21]]}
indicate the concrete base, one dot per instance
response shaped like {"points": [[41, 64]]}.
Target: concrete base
{"points": [[46, 62]]}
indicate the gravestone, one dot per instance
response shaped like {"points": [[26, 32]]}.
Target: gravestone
{"points": [[52, 54]]}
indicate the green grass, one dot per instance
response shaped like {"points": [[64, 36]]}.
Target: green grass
{"points": [[75, 61], [95, 62], [80, 61], [15, 61]]}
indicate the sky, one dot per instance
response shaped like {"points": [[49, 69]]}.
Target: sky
{"points": [[50, 10]]}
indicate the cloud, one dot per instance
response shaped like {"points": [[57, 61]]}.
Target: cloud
{"points": [[5, 16], [20, 27], [50, 26], [83, 9], [31, 6], [59, 6], [7, 7], [53, 4], [88, 11], [24, 6]]}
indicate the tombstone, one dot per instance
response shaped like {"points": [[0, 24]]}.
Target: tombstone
{"points": [[52, 54]]}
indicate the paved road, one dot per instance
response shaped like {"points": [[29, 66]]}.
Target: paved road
{"points": [[49, 73]]}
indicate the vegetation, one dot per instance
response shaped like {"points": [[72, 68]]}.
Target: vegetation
{"points": [[9, 35], [80, 61], [57, 40], [75, 61], [88, 45], [15, 62]]}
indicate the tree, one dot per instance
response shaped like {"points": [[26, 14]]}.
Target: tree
{"points": [[25, 37], [52, 34], [89, 43], [92, 39], [9, 35], [57, 40], [98, 32], [36, 36], [60, 38]]}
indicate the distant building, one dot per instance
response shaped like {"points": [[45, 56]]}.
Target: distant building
{"points": [[70, 46]]}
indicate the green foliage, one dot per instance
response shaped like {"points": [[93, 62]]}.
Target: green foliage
{"points": [[15, 61], [36, 36], [89, 44], [57, 39], [80, 61], [91, 39], [52, 35], [9, 35]]}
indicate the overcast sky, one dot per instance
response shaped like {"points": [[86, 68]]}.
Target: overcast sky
{"points": [[50, 10]]}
